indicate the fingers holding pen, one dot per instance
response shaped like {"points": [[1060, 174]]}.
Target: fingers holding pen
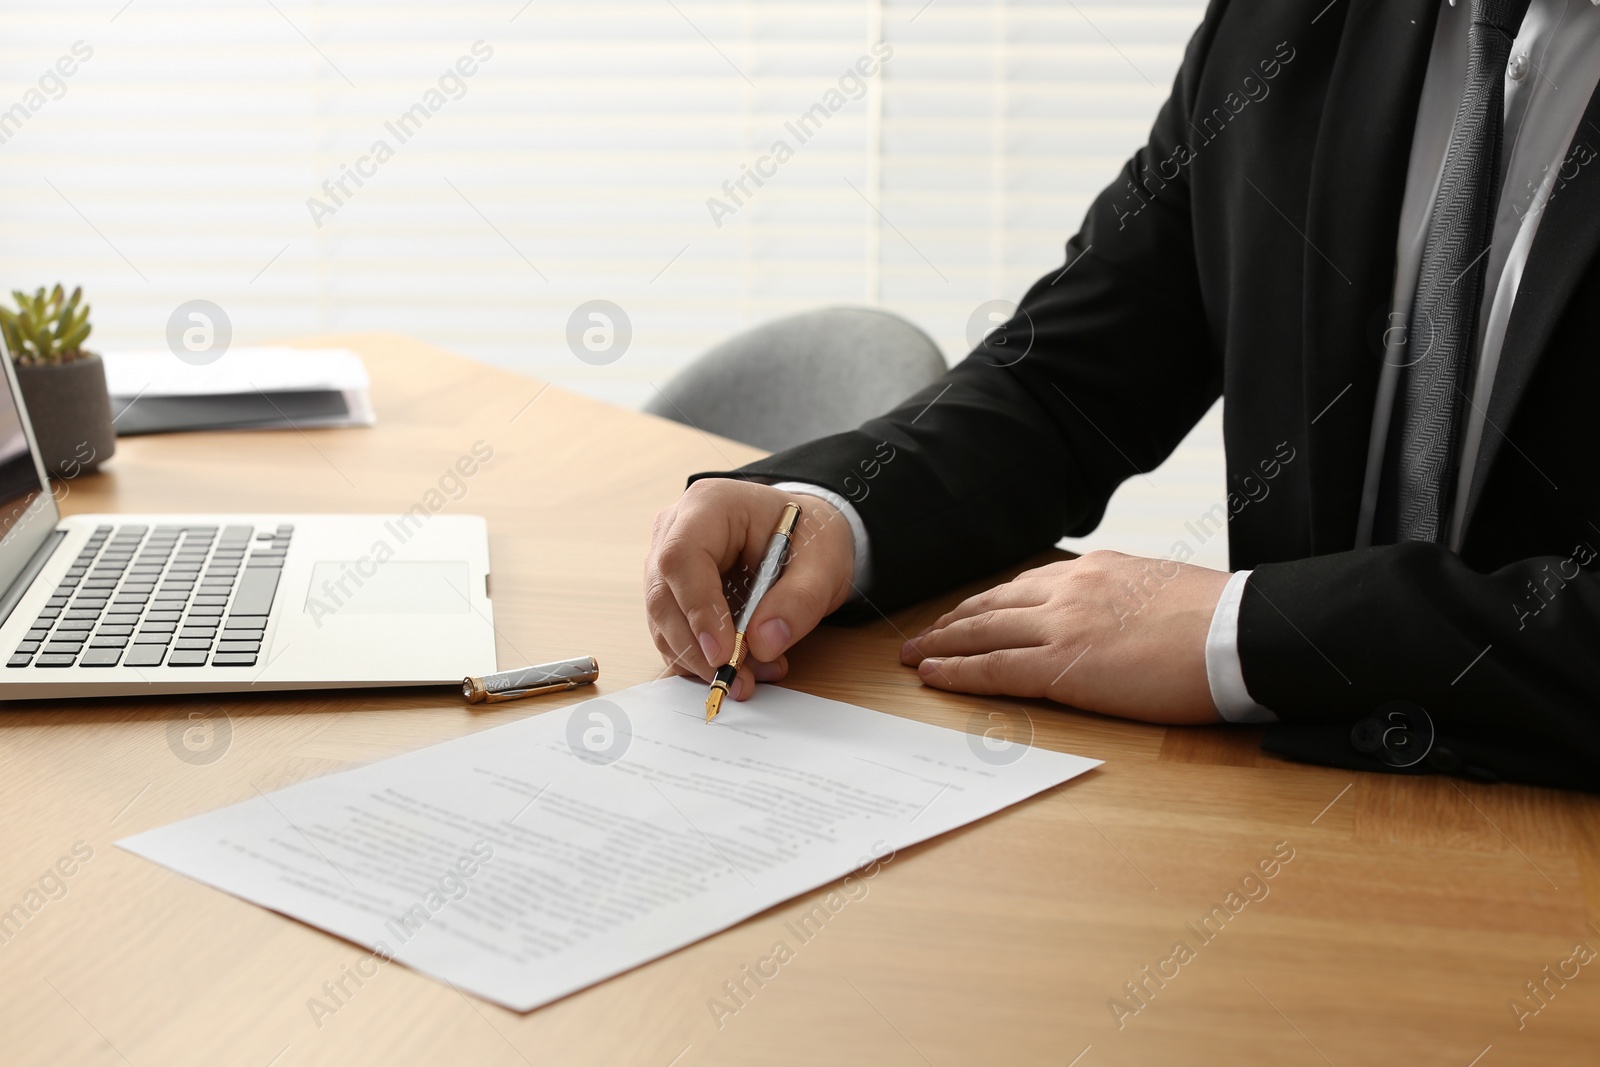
{"points": [[709, 547], [753, 671]]}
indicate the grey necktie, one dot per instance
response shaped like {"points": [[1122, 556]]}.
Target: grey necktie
{"points": [[1426, 438]]}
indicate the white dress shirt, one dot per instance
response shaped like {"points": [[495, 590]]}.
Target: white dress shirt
{"points": [[1553, 71]]}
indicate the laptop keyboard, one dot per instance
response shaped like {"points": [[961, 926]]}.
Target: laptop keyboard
{"points": [[178, 596]]}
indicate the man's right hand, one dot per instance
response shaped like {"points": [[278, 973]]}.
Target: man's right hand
{"points": [[717, 525]]}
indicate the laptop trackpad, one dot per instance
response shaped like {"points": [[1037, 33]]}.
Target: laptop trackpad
{"points": [[366, 587]]}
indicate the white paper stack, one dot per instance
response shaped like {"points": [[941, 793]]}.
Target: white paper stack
{"points": [[528, 861], [258, 388]]}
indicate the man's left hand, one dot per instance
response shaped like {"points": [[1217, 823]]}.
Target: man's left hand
{"points": [[1106, 632]]}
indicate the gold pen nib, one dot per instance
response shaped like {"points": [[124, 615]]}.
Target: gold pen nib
{"points": [[721, 682]]}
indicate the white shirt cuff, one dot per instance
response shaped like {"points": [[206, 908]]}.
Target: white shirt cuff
{"points": [[1224, 673], [858, 529]]}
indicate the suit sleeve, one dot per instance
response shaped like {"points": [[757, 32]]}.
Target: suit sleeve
{"points": [[1503, 663], [1107, 364]]}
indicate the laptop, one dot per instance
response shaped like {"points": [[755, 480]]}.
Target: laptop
{"points": [[120, 605]]}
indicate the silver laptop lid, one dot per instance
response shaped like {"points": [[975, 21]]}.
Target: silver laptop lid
{"points": [[28, 512]]}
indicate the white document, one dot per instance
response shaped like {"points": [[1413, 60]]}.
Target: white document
{"points": [[526, 862], [245, 370]]}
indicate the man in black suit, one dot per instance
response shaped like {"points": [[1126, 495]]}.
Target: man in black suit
{"points": [[1370, 225]]}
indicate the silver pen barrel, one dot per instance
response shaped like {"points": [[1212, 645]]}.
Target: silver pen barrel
{"points": [[766, 576]]}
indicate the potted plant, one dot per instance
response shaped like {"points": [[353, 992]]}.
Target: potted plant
{"points": [[63, 385]]}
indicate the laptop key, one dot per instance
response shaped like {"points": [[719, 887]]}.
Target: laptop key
{"points": [[28, 647], [239, 646], [145, 656], [54, 660], [254, 595], [164, 616], [63, 647], [101, 657], [108, 642], [234, 659], [191, 644], [144, 638], [114, 631], [186, 658], [38, 633], [19, 660]]}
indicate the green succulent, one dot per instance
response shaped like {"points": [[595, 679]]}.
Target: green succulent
{"points": [[46, 328]]}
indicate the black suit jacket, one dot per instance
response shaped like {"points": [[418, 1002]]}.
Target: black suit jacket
{"points": [[1248, 250]]}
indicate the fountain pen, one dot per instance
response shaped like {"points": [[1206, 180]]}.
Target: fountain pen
{"points": [[771, 568]]}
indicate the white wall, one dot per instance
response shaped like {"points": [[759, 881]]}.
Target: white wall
{"points": [[176, 163]]}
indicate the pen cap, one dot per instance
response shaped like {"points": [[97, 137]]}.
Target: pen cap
{"points": [[543, 677]]}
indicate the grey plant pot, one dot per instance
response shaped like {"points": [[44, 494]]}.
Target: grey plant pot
{"points": [[70, 412]]}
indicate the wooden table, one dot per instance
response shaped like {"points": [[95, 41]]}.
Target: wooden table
{"points": [[1411, 914]]}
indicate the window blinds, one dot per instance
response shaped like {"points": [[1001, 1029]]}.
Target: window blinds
{"points": [[471, 173]]}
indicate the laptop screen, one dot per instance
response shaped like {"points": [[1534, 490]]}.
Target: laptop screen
{"points": [[28, 514], [19, 475]]}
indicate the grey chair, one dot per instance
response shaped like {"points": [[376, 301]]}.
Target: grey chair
{"points": [[802, 377]]}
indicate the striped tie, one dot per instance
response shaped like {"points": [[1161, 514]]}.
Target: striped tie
{"points": [[1420, 474]]}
